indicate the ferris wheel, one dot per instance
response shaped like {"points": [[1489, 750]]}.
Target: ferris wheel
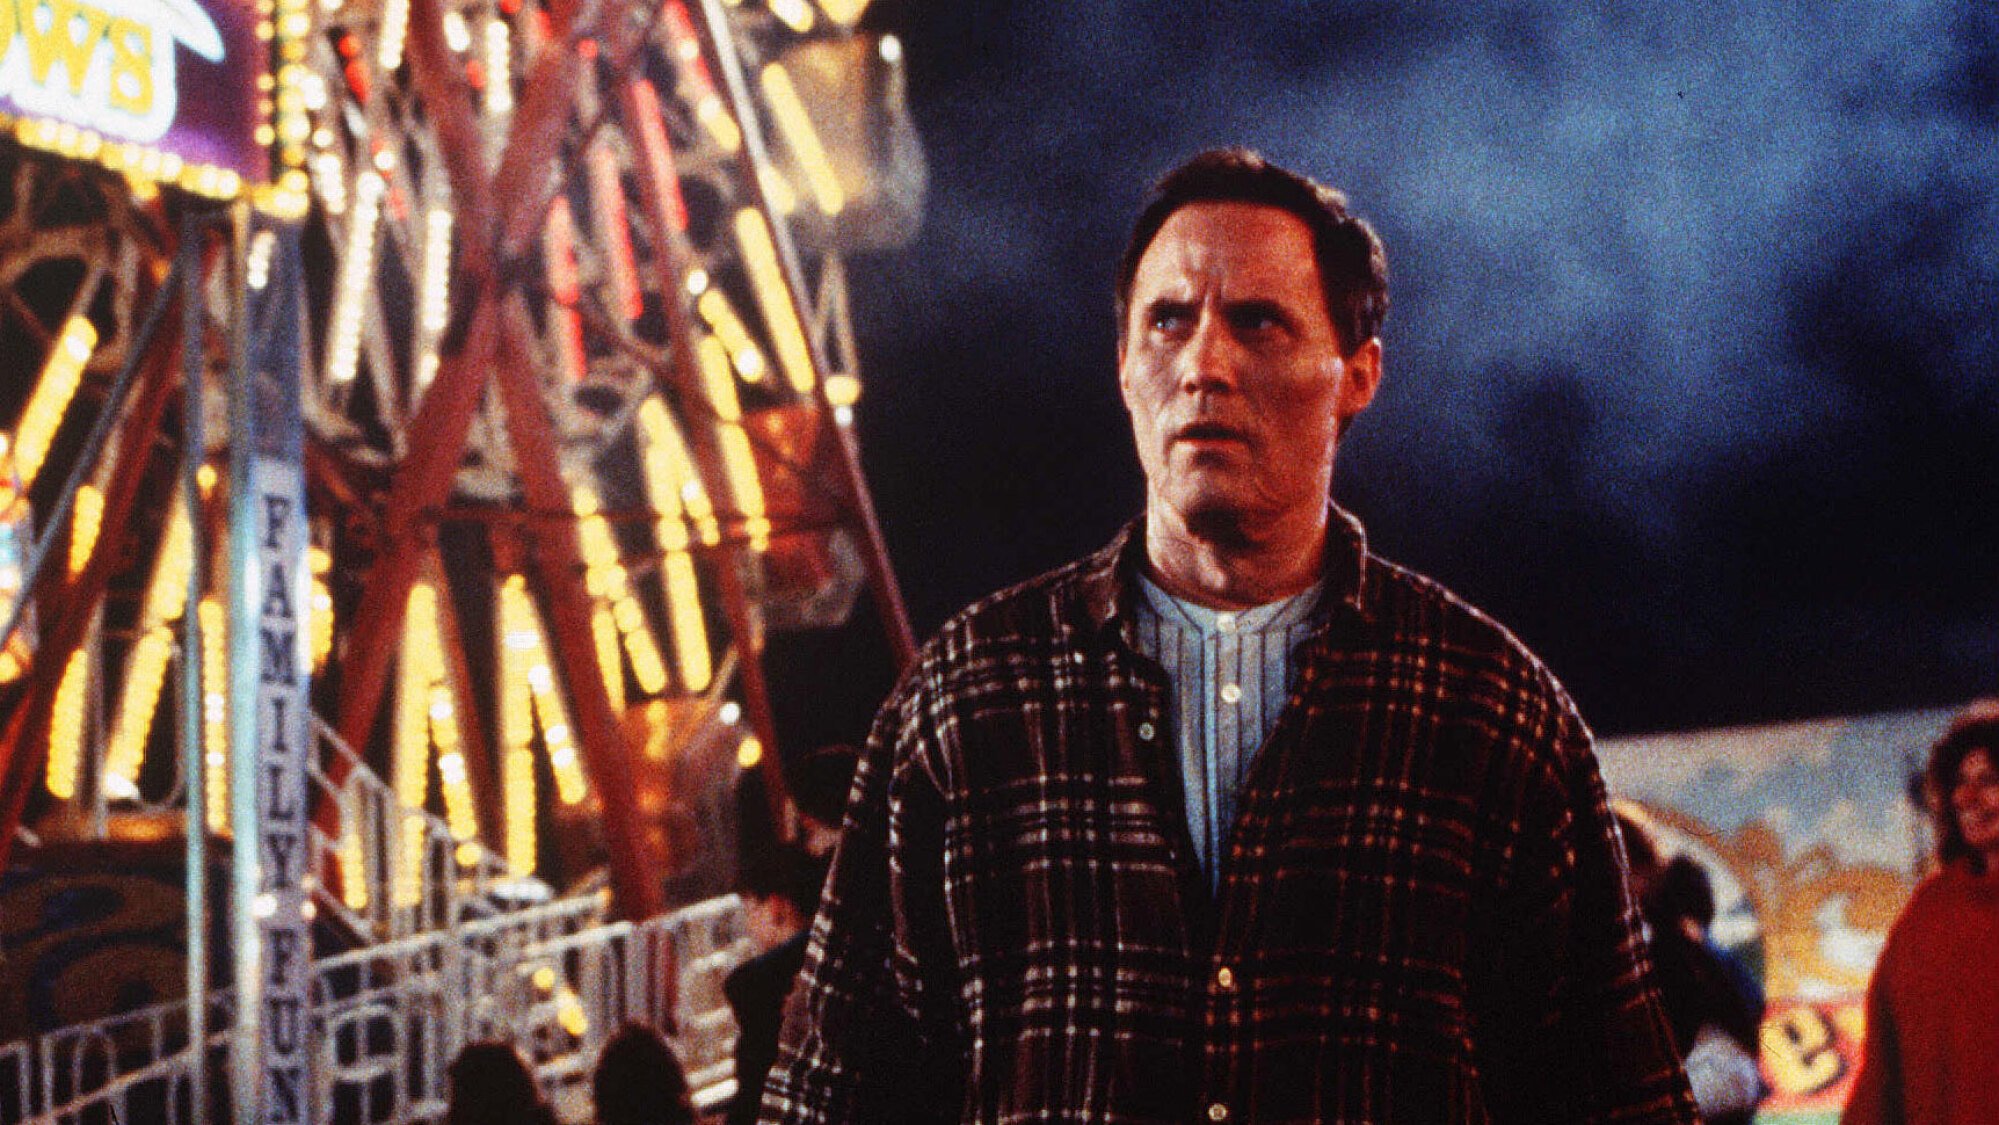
{"points": [[578, 385]]}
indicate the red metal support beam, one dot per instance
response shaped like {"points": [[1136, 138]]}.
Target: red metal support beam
{"points": [[442, 422], [558, 563], [727, 563]]}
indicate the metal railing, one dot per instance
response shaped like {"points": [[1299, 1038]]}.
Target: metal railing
{"points": [[134, 1066], [397, 870], [386, 1020]]}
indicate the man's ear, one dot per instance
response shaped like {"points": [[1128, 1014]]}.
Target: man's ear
{"points": [[1360, 380]]}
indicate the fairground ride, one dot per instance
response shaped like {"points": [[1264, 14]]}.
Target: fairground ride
{"points": [[421, 413]]}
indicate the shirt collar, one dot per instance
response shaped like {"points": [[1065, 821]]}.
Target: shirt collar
{"points": [[1107, 582], [1270, 616]]}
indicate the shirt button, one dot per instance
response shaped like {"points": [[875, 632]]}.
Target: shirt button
{"points": [[1218, 1112], [1225, 979], [1146, 731], [1231, 693]]}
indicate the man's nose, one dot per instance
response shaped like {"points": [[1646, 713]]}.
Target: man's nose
{"points": [[1212, 359]]}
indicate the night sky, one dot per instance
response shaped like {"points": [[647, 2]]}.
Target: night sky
{"points": [[1693, 360]]}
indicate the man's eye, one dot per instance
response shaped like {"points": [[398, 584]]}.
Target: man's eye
{"points": [[1168, 320], [1255, 320]]}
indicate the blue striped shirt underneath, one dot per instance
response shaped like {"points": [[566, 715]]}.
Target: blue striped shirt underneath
{"points": [[1230, 675]]}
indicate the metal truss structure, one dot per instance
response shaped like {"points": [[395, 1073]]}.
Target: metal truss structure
{"points": [[578, 380]]}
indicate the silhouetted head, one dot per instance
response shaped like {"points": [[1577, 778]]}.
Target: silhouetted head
{"points": [[491, 1085], [639, 1081]]}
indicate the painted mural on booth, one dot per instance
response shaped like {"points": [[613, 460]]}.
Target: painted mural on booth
{"points": [[1814, 843]]}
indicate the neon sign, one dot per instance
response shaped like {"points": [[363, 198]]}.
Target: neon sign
{"points": [[165, 89]]}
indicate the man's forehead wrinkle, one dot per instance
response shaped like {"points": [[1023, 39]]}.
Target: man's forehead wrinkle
{"points": [[1234, 251]]}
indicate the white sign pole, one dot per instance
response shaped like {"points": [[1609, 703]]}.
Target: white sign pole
{"points": [[270, 724]]}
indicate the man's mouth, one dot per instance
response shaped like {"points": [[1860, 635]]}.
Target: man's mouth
{"points": [[1205, 433]]}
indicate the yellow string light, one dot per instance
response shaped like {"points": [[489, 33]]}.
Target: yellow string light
{"points": [[145, 674], [783, 199], [410, 769], [738, 460], [353, 870], [843, 12], [393, 31], [796, 125], [321, 622], [166, 594], [721, 317], [555, 729], [215, 710], [356, 280], [86, 520], [606, 579], [604, 634], [671, 481], [690, 628], [521, 662], [66, 725], [61, 376], [518, 784], [683, 595], [714, 117], [434, 306], [774, 298], [458, 810], [796, 14], [409, 868], [648, 667], [499, 68]]}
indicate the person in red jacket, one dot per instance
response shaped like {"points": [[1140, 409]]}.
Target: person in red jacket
{"points": [[1933, 1005]]}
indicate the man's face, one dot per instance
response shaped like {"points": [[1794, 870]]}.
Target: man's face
{"points": [[772, 920], [1232, 373], [1975, 800]]}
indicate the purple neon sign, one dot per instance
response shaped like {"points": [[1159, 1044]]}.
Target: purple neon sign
{"points": [[174, 76]]}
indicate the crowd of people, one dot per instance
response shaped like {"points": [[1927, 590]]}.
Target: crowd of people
{"points": [[638, 1081]]}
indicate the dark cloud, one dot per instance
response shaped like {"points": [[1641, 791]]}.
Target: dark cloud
{"points": [[1693, 369]]}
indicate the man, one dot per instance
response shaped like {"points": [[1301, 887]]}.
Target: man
{"points": [[1231, 821], [779, 886]]}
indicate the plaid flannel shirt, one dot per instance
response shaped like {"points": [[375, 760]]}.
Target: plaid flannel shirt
{"points": [[1422, 914]]}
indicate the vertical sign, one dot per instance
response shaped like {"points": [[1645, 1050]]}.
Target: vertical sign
{"points": [[270, 727]]}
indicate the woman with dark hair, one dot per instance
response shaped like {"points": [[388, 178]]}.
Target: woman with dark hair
{"points": [[1933, 1006], [491, 1085], [639, 1081]]}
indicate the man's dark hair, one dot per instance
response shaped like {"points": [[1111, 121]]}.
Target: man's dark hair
{"points": [[784, 871], [819, 782], [1975, 728], [1683, 891], [1353, 267]]}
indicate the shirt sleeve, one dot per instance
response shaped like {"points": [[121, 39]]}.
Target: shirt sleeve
{"points": [[1584, 1035], [865, 1038]]}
